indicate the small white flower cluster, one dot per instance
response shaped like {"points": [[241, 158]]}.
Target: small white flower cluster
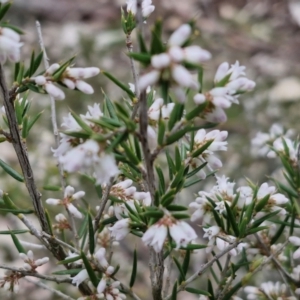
{"points": [[104, 291], [9, 45], [147, 7], [219, 143], [62, 223], [262, 142], [72, 78], [156, 110], [30, 264], [69, 197], [222, 97], [10, 281], [181, 232], [171, 61], [295, 241], [125, 192], [222, 240], [268, 290], [78, 155]]}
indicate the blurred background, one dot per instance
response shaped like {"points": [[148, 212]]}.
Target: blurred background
{"points": [[264, 35]]}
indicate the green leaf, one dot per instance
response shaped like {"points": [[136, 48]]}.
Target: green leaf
{"points": [[257, 222], [32, 121], [17, 69], [134, 269], [20, 74], [161, 178], [109, 220], [200, 78], [262, 203], [177, 135], [81, 123], [168, 198], [174, 292], [144, 58], [200, 150], [78, 134], [174, 207], [279, 231], [9, 204], [120, 84], [196, 170], [196, 111], [25, 127], [89, 270], [179, 216], [110, 107], [11, 171], [157, 214], [91, 235], [232, 219], [17, 211], [161, 132], [176, 115], [16, 231], [4, 8], [130, 154], [51, 188], [67, 272], [143, 47], [37, 62], [59, 72], [14, 28], [178, 265], [84, 225], [157, 45], [17, 243], [69, 260], [186, 262], [254, 230], [198, 292]]}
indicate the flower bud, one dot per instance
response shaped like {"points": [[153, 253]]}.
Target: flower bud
{"points": [[84, 87], [160, 61], [54, 91], [148, 79], [40, 80], [180, 35]]}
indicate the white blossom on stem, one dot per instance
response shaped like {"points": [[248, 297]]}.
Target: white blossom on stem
{"points": [[30, 264], [120, 229], [9, 45], [69, 197], [181, 232], [147, 7], [80, 277]]}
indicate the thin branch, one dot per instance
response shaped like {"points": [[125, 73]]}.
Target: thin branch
{"points": [[48, 236], [168, 276], [49, 288], [103, 203], [220, 291], [134, 74], [156, 261], [55, 132], [205, 267], [38, 275], [20, 149]]}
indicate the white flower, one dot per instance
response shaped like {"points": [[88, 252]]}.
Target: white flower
{"points": [[147, 8], [183, 77], [101, 285], [179, 36], [262, 141], [218, 143], [211, 232], [181, 232], [295, 241], [29, 263], [54, 91], [155, 236], [120, 229], [245, 196], [148, 79], [158, 108], [80, 277], [202, 209], [100, 256], [69, 196], [9, 45]]}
